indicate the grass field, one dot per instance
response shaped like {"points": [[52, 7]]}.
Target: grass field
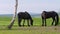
{"points": [[36, 29]]}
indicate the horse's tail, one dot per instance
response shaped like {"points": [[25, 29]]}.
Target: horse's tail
{"points": [[57, 17]]}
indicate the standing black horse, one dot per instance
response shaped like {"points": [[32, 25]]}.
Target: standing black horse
{"points": [[50, 14], [26, 16]]}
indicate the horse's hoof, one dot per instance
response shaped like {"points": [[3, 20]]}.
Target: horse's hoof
{"points": [[45, 25], [19, 25], [55, 25], [42, 25], [29, 25], [23, 25], [9, 27]]}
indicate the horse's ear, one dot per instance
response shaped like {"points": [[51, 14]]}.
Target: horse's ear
{"points": [[44, 11], [25, 11]]}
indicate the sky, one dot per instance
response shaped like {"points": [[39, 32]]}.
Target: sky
{"points": [[31, 6]]}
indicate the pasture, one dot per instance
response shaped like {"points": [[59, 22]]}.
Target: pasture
{"points": [[36, 29]]}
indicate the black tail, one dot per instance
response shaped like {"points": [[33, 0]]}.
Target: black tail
{"points": [[57, 19]]}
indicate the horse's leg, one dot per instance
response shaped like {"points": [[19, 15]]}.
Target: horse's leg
{"points": [[23, 22], [45, 22], [19, 22], [28, 22], [53, 20], [56, 22], [42, 22]]}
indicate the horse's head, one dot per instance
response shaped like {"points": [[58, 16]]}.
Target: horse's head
{"points": [[44, 14], [32, 22]]}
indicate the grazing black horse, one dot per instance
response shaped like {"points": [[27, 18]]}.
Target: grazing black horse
{"points": [[26, 16], [51, 14]]}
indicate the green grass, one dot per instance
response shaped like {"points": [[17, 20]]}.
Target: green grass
{"points": [[36, 29]]}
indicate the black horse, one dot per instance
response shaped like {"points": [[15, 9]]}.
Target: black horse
{"points": [[26, 16], [51, 14]]}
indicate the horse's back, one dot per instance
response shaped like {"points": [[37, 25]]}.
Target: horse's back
{"points": [[21, 14], [49, 14], [24, 15]]}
